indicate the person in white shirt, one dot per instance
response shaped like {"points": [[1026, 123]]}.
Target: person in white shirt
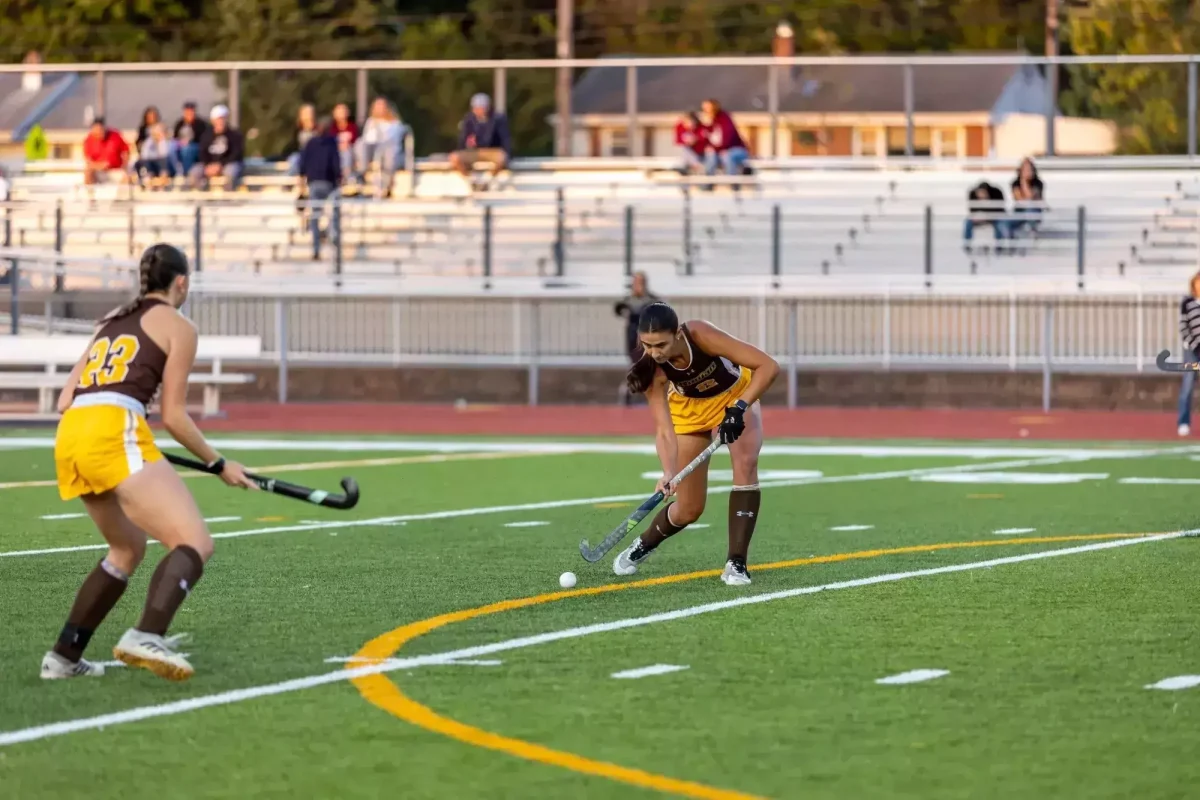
{"points": [[153, 166], [382, 142]]}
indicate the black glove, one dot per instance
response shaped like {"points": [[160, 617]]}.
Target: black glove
{"points": [[733, 425]]}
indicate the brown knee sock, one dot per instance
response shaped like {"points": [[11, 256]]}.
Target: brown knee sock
{"points": [[743, 514], [660, 530], [170, 586], [100, 591]]}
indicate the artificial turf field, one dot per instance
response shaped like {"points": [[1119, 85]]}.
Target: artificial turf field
{"points": [[1042, 664]]}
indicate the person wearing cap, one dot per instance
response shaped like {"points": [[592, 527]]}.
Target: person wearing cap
{"points": [[222, 150], [185, 140], [483, 136]]}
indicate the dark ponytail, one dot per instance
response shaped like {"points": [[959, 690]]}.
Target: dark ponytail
{"points": [[161, 264]]}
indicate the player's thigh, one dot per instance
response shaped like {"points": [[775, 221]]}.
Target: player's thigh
{"points": [[693, 491], [156, 500], [745, 451], [126, 541]]}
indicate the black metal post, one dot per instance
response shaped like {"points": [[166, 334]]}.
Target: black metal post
{"points": [[337, 240], [487, 247], [59, 276], [687, 231], [559, 233], [1080, 259], [776, 242], [628, 241], [14, 284], [928, 246], [197, 238]]}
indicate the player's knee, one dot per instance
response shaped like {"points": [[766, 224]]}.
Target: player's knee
{"points": [[745, 471], [127, 557], [202, 543], [686, 513]]}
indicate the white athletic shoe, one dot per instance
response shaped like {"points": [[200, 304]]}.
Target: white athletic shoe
{"points": [[154, 653], [626, 563], [55, 667], [1185, 430], [735, 573]]}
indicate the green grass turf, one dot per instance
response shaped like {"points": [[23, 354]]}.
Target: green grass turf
{"points": [[1047, 659]]}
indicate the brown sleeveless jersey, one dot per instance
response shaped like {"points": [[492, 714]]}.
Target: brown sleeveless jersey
{"points": [[706, 376], [123, 359]]}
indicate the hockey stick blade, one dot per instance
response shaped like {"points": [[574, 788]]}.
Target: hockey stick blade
{"points": [[1166, 365], [593, 554], [319, 497]]}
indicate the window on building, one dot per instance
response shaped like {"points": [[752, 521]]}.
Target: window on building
{"points": [[922, 141], [807, 139], [947, 141], [868, 141], [620, 142]]}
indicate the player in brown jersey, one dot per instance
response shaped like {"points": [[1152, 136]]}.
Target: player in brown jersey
{"points": [[700, 381], [105, 454]]}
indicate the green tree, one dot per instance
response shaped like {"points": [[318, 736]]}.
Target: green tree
{"points": [[87, 30], [1147, 101]]}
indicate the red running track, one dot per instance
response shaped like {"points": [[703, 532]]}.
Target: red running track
{"points": [[867, 423]]}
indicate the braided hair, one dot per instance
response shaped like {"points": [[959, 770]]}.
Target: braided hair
{"points": [[161, 264]]}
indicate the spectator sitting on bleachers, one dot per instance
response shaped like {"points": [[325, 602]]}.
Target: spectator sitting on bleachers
{"points": [[382, 142], [320, 175], [153, 166], [150, 118], [346, 131], [185, 141], [692, 140], [222, 151], [104, 151], [985, 205], [483, 137], [306, 128], [724, 142], [1028, 195]]}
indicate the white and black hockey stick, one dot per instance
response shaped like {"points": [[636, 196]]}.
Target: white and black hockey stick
{"points": [[621, 531]]}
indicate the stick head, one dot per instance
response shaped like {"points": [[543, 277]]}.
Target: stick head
{"points": [[350, 487]]}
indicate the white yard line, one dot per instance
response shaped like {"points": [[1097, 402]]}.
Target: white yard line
{"points": [[103, 721], [469, 512], [638, 448], [1176, 683], [551, 504], [852, 527], [1010, 531]]}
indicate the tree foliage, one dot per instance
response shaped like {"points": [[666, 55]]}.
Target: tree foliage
{"points": [[1147, 101]]}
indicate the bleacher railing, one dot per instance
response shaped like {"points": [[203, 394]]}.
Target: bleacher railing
{"points": [[905, 84]]}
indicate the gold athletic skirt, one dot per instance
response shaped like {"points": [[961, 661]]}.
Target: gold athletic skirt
{"points": [[703, 414], [101, 441]]}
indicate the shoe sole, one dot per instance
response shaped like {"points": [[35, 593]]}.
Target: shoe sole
{"points": [[735, 581], [162, 669]]}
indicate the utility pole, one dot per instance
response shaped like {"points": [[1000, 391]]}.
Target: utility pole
{"points": [[1051, 72], [566, 49]]}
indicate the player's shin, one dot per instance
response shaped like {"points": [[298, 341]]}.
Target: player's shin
{"points": [[173, 580], [743, 515], [661, 529], [100, 591]]}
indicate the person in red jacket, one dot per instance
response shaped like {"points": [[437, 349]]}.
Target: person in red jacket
{"points": [[692, 139], [345, 130], [724, 140], [103, 151]]}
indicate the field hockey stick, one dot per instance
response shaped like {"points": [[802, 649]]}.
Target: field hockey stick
{"points": [[1175, 366], [622, 530], [318, 497]]}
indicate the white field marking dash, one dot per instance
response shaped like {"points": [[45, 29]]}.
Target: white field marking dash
{"points": [[533, 523], [63, 516], [1030, 478], [1007, 531], [695, 525], [1160, 481], [487, 662], [644, 672], [1176, 683], [913, 676], [469, 512], [852, 527], [222, 519], [271, 689]]}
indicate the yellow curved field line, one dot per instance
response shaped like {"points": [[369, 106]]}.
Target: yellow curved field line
{"points": [[382, 692]]}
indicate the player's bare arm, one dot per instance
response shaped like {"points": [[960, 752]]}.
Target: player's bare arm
{"points": [[713, 340]]}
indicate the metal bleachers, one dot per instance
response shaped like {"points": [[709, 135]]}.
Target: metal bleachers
{"points": [[589, 223]]}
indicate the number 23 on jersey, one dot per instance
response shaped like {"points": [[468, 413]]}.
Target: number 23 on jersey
{"points": [[108, 361]]}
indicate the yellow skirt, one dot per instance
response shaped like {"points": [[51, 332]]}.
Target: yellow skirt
{"points": [[99, 446], [703, 414]]}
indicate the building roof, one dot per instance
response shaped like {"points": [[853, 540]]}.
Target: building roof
{"points": [[67, 101], [837, 88]]}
